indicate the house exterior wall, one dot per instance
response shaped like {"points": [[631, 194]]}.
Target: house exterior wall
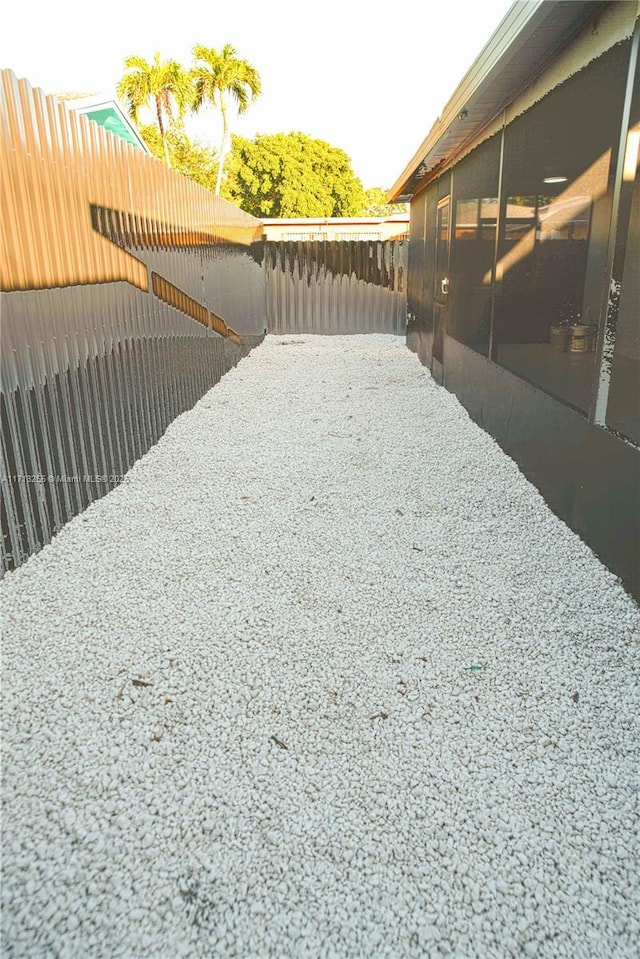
{"points": [[536, 225]]}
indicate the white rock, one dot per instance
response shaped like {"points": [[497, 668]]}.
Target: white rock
{"points": [[166, 819]]}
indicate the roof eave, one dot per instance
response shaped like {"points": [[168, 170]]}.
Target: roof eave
{"points": [[520, 44]]}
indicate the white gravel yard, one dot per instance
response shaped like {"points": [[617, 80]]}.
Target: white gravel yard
{"points": [[323, 678]]}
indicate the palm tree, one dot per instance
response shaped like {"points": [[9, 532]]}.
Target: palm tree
{"points": [[164, 82], [218, 76]]}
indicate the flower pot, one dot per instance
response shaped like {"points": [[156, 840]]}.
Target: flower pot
{"points": [[579, 339]]}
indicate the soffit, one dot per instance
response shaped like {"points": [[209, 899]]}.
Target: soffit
{"points": [[529, 37]]}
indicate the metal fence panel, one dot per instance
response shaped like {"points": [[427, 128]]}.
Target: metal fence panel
{"points": [[352, 286], [126, 292]]}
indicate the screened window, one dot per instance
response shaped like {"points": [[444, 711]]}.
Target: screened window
{"points": [[475, 197], [552, 248]]}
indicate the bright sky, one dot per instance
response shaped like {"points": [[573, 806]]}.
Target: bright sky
{"points": [[368, 78]]}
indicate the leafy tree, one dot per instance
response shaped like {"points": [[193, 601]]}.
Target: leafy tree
{"points": [[291, 174], [191, 158], [220, 76], [163, 84], [376, 204]]}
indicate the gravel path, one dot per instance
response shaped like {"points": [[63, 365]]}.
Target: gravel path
{"points": [[323, 678]]}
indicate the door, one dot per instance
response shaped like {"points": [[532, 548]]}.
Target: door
{"points": [[441, 291]]}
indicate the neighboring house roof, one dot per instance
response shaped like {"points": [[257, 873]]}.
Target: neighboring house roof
{"points": [[336, 227], [525, 42], [106, 112], [336, 221]]}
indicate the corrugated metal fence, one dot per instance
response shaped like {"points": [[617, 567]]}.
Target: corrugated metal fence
{"points": [[126, 292], [122, 286], [336, 286]]}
